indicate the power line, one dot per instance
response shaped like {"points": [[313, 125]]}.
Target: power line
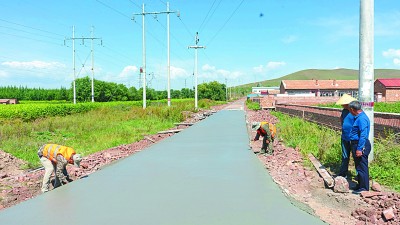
{"points": [[205, 18], [186, 27], [113, 9], [15, 29], [137, 5], [33, 28], [73, 38], [143, 69], [177, 40], [48, 42], [226, 22]]}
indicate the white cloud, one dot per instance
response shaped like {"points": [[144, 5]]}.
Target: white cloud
{"points": [[177, 72], [258, 69], [33, 65], [396, 61], [391, 53], [268, 67], [128, 72], [212, 73], [274, 65], [289, 39]]}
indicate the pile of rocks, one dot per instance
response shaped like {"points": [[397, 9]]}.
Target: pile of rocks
{"points": [[384, 208]]}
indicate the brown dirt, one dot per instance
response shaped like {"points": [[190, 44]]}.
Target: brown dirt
{"points": [[302, 185]]}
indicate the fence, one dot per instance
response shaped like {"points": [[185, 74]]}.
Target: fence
{"points": [[383, 122]]}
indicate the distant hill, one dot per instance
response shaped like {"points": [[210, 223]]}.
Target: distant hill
{"points": [[335, 74]]}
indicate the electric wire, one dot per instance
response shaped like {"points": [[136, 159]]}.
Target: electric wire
{"points": [[207, 14], [137, 5], [15, 29], [187, 29], [226, 22], [113, 9], [33, 28], [177, 40], [209, 18], [48, 42]]}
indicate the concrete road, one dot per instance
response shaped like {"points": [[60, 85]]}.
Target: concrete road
{"points": [[204, 175]]}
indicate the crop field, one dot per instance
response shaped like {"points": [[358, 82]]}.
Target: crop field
{"points": [[87, 127]]}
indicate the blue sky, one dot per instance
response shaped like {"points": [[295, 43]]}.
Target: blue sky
{"points": [[246, 40]]}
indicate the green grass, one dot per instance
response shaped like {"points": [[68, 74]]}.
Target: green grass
{"points": [[324, 143], [253, 105], [378, 107], [101, 128]]}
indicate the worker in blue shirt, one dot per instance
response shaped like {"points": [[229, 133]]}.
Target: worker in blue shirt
{"points": [[360, 145], [347, 121]]}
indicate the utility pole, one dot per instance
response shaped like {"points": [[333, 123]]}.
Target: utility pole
{"points": [[195, 67], [226, 89], [73, 58], [366, 70], [92, 53], [144, 51]]}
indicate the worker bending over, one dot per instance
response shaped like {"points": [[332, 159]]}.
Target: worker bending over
{"points": [[55, 158], [267, 131]]}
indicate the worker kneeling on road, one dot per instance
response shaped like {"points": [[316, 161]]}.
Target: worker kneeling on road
{"points": [[55, 158], [267, 131]]}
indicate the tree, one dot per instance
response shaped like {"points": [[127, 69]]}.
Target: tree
{"points": [[213, 90]]}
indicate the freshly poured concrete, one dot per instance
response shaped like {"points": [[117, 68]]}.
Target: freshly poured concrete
{"points": [[204, 175]]}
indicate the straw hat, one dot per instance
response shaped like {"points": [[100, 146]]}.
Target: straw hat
{"points": [[255, 125], [345, 99], [77, 159]]}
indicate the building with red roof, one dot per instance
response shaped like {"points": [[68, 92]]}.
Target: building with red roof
{"points": [[323, 88], [387, 89]]}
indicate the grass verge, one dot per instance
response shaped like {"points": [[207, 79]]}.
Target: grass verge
{"points": [[93, 131], [324, 144]]}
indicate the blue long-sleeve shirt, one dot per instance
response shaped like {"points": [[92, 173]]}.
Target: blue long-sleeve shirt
{"points": [[347, 124], [360, 130]]}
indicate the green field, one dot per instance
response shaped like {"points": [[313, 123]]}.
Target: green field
{"points": [[100, 126]]}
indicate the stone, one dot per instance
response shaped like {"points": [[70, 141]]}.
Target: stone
{"points": [[84, 165], [373, 219], [341, 185], [388, 214], [371, 194], [376, 186]]}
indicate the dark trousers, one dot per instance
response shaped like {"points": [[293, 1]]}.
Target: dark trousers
{"points": [[344, 167], [361, 164]]}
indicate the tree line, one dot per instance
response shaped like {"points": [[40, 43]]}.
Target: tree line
{"points": [[110, 91]]}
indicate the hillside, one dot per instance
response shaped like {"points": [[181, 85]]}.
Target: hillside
{"points": [[335, 74]]}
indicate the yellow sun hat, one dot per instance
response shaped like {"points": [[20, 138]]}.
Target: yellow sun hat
{"points": [[345, 99]]}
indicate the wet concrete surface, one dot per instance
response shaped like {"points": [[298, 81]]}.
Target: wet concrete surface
{"points": [[204, 175]]}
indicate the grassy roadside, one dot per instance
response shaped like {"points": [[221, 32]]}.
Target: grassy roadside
{"points": [[93, 131], [324, 143]]}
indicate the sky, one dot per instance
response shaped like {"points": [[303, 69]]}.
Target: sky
{"points": [[245, 40]]}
